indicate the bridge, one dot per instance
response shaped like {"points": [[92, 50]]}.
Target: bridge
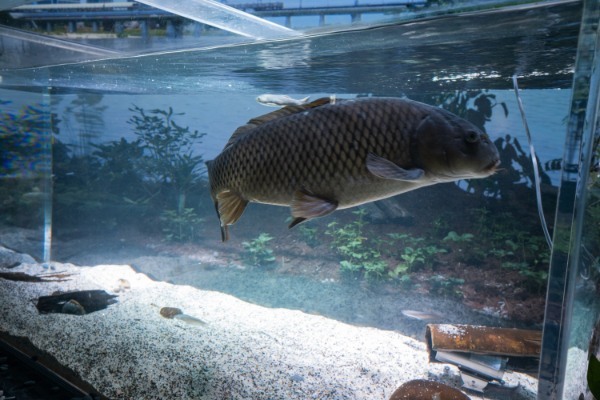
{"points": [[118, 12], [355, 12]]}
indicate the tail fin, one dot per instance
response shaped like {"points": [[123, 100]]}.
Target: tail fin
{"points": [[229, 205], [213, 195]]}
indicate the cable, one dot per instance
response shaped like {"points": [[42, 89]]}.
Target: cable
{"points": [[536, 172]]}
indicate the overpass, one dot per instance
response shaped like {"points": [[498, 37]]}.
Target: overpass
{"points": [[122, 11], [354, 11]]}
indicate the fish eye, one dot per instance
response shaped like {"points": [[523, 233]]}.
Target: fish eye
{"points": [[472, 137]]}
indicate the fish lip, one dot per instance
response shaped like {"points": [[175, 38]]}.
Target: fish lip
{"points": [[492, 166]]}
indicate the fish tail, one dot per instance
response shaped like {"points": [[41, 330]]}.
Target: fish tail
{"points": [[209, 170], [213, 195], [229, 205]]}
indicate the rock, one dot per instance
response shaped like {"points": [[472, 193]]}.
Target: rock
{"points": [[10, 258], [420, 389], [388, 210]]}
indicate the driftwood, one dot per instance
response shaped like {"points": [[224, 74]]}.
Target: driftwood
{"points": [[78, 303], [23, 277]]}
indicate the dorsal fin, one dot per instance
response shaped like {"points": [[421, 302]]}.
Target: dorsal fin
{"points": [[283, 112]]}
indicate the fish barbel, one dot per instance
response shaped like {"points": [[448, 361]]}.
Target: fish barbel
{"points": [[329, 155]]}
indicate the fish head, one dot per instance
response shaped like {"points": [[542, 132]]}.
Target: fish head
{"points": [[451, 148]]}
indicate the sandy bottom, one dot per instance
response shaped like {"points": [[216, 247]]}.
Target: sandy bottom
{"points": [[245, 351]]}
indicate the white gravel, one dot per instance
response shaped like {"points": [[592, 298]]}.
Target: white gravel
{"points": [[128, 351]]}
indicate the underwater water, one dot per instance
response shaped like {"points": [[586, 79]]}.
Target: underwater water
{"points": [[109, 169]]}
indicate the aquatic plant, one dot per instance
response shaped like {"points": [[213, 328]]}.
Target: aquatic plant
{"points": [[308, 235], [132, 181], [257, 252], [353, 247], [440, 225], [466, 248], [458, 238], [446, 286], [400, 273], [415, 252], [534, 279], [169, 147], [86, 112], [119, 170], [181, 226], [411, 253], [169, 158]]}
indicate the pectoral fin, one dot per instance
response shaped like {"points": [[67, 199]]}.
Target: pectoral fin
{"points": [[230, 207], [386, 169], [306, 206]]}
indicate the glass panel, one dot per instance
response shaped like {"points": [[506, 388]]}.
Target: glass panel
{"points": [[26, 172], [572, 307], [134, 117]]}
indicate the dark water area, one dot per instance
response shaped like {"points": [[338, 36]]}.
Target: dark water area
{"points": [[464, 51], [537, 45]]}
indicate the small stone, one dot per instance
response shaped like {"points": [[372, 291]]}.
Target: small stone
{"points": [[73, 307]]}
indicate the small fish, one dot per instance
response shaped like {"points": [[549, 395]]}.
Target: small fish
{"points": [[176, 313], [421, 316], [279, 100], [333, 154]]}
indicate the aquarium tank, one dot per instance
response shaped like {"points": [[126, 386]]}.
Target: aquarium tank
{"points": [[300, 199]]}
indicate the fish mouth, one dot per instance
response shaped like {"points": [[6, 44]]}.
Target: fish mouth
{"points": [[492, 166]]}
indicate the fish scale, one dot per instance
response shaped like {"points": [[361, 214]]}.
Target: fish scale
{"points": [[328, 155]]}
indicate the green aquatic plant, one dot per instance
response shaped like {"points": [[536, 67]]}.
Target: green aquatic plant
{"points": [[169, 163], [535, 279], [308, 234], [458, 238], [440, 225], [412, 258], [181, 226], [257, 251], [131, 180], [170, 158], [415, 253], [446, 286], [466, 248], [119, 170], [352, 245]]}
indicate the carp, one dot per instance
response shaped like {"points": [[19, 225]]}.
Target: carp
{"points": [[333, 154]]}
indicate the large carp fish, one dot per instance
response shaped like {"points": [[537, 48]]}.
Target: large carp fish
{"points": [[332, 154]]}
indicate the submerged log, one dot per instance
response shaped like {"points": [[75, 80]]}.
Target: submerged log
{"points": [[23, 277], [77, 303], [518, 348], [484, 340]]}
